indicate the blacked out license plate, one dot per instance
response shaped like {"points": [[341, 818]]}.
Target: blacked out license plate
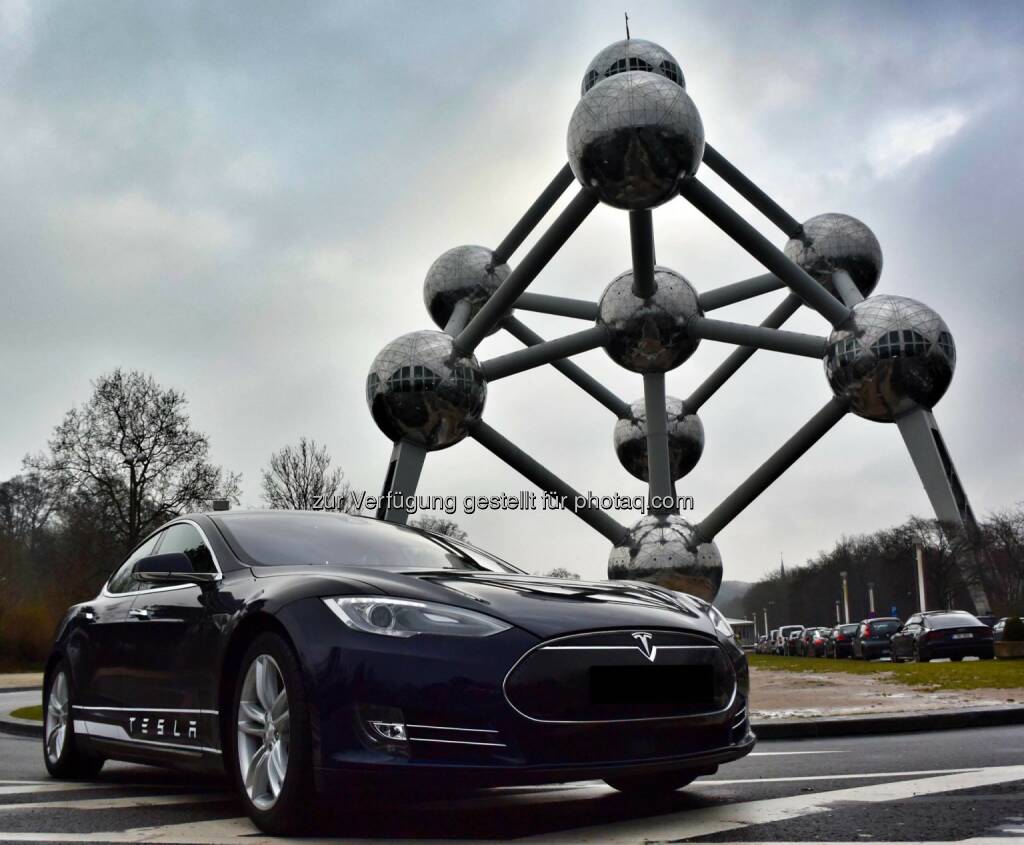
{"points": [[652, 684]]}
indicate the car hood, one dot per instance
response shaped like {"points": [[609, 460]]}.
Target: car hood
{"points": [[545, 607]]}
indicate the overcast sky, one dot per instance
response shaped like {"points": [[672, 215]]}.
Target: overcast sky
{"points": [[243, 198]]}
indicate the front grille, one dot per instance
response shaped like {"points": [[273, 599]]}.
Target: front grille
{"points": [[662, 674]]}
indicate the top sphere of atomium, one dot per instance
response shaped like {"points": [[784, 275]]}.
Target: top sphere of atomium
{"points": [[633, 137], [831, 242], [664, 550], [632, 54], [649, 335], [893, 356], [465, 273], [421, 389], [685, 439]]}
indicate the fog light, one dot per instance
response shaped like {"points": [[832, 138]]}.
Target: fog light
{"points": [[390, 730]]}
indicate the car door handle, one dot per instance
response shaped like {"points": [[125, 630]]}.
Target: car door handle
{"points": [[140, 613]]}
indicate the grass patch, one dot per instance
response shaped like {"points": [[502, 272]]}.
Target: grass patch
{"points": [[976, 674], [34, 712]]}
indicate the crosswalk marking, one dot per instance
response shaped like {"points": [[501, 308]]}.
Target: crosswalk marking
{"points": [[689, 826]]}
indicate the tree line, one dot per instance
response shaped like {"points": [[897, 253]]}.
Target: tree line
{"points": [[885, 561]]}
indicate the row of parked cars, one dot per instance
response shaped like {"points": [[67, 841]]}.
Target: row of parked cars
{"points": [[924, 636]]}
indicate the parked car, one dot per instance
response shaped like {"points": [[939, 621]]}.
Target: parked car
{"points": [[840, 641], [308, 654], [812, 642], [782, 637], [942, 633], [792, 644], [998, 628], [872, 638], [762, 644]]}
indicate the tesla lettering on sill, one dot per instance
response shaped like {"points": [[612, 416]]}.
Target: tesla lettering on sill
{"points": [[151, 726]]}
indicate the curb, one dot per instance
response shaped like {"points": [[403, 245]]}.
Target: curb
{"points": [[21, 727], [940, 720]]}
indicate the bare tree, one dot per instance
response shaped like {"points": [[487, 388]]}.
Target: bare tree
{"points": [[132, 450], [440, 525], [300, 478], [562, 572], [26, 504]]}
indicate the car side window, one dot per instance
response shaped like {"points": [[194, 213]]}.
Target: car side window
{"points": [[185, 538], [122, 581]]}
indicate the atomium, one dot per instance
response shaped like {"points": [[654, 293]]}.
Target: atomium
{"points": [[632, 54], [831, 242], [633, 137], [649, 334], [685, 439], [635, 141], [421, 389], [894, 356], [465, 274], [665, 550]]}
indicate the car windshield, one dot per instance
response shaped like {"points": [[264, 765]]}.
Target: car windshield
{"points": [[313, 539], [848, 629], [952, 620], [885, 626], [785, 632]]}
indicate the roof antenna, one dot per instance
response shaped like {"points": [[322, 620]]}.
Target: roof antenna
{"points": [[627, 24]]}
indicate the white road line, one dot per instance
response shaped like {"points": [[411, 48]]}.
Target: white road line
{"points": [[708, 821], [790, 753], [117, 803]]}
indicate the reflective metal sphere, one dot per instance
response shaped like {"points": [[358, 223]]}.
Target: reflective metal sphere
{"points": [[632, 54], [633, 137], [662, 550], [420, 389], [465, 272], [831, 242], [685, 439], [649, 335], [893, 356]]}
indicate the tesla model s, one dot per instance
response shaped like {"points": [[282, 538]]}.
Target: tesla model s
{"points": [[319, 655]]}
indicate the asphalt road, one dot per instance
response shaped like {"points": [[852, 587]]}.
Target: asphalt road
{"points": [[939, 787]]}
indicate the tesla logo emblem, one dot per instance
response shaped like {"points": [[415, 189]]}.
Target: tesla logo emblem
{"points": [[643, 642]]}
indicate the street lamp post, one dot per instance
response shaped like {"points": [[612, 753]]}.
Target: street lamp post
{"points": [[871, 597], [846, 597], [839, 619], [765, 611]]}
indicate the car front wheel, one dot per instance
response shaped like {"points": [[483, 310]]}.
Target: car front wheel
{"points": [[921, 655], [63, 758], [271, 761]]}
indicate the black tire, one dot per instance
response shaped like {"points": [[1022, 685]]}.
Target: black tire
{"points": [[660, 784], [921, 656], [70, 762], [296, 807], [957, 658]]}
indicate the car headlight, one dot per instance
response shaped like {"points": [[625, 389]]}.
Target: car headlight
{"points": [[721, 623], [406, 618]]}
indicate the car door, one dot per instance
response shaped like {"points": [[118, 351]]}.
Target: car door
{"points": [[99, 647], [174, 650], [902, 642]]}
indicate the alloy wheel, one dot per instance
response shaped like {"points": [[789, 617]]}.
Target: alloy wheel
{"points": [[56, 726], [264, 732]]}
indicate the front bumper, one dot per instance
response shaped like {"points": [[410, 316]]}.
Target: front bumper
{"points": [[461, 727], [427, 775]]}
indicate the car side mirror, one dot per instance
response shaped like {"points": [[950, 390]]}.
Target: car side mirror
{"points": [[170, 568]]}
